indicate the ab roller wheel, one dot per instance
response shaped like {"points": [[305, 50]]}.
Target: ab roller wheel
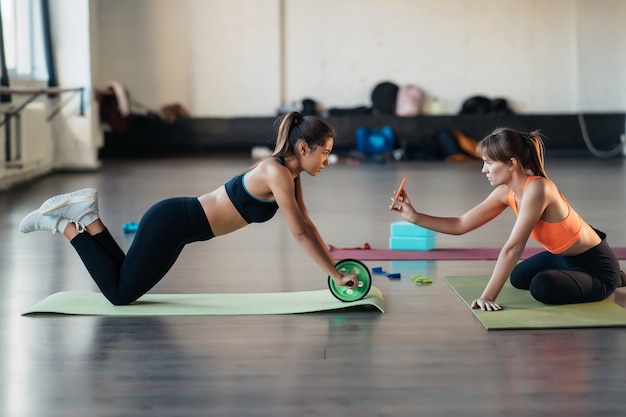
{"points": [[358, 291]]}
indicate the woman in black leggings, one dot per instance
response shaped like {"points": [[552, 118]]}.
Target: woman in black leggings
{"points": [[578, 265], [591, 275], [303, 144]]}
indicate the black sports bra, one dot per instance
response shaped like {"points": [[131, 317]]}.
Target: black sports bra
{"points": [[251, 208]]}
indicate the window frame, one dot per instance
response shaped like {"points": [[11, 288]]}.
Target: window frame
{"points": [[28, 66]]}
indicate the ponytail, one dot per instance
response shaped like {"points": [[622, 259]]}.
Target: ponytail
{"points": [[537, 151]]}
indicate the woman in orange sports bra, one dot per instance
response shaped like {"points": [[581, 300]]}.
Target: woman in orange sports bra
{"points": [[577, 266]]}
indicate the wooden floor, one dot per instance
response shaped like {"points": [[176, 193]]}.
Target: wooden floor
{"points": [[426, 356]]}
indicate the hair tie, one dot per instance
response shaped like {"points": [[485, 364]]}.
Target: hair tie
{"points": [[525, 135]]}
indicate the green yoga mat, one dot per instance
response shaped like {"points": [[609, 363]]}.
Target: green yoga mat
{"points": [[521, 311], [94, 304]]}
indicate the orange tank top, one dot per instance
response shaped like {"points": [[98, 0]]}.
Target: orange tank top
{"points": [[554, 237]]}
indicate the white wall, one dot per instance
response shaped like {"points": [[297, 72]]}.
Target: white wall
{"points": [[215, 57], [601, 38], [76, 138], [224, 57]]}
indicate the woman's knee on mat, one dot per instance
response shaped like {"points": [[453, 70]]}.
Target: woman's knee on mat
{"points": [[119, 299], [544, 291], [558, 287], [520, 280]]}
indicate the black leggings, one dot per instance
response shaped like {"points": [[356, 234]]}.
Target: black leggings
{"points": [[161, 235], [557, 279]]}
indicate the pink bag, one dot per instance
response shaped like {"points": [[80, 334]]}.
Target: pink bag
{"points": [[408, 101]]}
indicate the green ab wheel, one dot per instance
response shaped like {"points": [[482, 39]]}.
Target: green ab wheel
{"points": [[357, 292]]}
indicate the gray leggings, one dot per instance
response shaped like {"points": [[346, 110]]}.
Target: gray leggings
{"points": [[163, 232], [556, 279]]}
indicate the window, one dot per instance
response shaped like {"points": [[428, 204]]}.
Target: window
{"points": [[22, 26]]}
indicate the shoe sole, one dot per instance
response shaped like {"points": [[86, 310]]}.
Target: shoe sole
{"points": [[27, 217], [26, 220], [62, 200]]}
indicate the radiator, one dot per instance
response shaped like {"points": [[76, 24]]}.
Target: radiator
{"points": [[28, 136]]}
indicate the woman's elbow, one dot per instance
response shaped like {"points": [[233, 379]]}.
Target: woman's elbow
{"points": [[513, 250], [301, 236], [458, 230]]}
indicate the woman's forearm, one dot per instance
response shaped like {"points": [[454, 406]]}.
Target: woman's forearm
{"points": [[312, 243], [507, 259], [447, 225]]}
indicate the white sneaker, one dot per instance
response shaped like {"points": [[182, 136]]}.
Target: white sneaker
{"points": [[35, 221], [78, 206]]}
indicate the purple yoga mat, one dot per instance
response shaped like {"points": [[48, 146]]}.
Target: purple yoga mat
{"points": [[444, 254]]}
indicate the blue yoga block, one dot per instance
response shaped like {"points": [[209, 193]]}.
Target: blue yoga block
{"points": [[411, 243], [407, 229]]}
